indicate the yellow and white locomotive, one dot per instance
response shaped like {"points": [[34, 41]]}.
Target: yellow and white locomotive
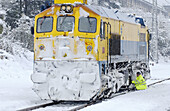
{"points": [[82, 51]]}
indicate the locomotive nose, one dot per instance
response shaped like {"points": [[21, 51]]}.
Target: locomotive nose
{"points": [[66, 80]]}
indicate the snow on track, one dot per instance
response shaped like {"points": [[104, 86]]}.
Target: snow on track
{"points": [[155, 98]]}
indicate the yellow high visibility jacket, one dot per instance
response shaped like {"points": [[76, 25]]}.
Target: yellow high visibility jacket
{"points": [[140, 83]]}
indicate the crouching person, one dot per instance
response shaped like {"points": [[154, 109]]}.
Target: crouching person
{"points": [[140, 83]]}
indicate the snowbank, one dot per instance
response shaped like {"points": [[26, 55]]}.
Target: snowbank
{"points": [[15, 83], [15, 66]]}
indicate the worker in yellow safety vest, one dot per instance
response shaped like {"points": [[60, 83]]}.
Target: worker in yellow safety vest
{"points": [[140, 82]]}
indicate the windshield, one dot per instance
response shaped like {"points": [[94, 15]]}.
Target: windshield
{"points": [[65, 23], [44, 24], [87, 24]]}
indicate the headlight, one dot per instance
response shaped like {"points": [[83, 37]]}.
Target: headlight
{"points": [[42, 47], [66, 8], [63, 8], [69, 8], [89, 48]]}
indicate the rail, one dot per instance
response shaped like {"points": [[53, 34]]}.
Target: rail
{"points": [[40, 106], [158, 82]]}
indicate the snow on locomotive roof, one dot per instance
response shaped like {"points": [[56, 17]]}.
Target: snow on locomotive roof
{"points": [[104, 12], [110, 13]]}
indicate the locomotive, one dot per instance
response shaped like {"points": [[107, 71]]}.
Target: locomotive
{"points": [[83, 52]]}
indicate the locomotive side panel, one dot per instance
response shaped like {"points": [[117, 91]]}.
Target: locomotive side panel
{"points": [[134, 42], [126, 40], [129, 40]]}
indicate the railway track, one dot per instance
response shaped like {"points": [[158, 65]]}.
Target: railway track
{"points": [[115, 95], [88, 103], [158, 82], [97, 101], [40, 106], [56, 104]]}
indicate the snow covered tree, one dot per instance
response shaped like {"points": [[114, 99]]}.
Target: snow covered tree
{"points": [[108, 4], [18, 24]]}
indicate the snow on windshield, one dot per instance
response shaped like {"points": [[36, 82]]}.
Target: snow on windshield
{"points": [[65, 23], [44, 24], [87, 24]]}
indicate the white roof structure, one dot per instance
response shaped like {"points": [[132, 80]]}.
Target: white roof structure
{"points": [[113, 14]]}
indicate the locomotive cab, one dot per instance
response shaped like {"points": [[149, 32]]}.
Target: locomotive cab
{"points": [[74, 22]]}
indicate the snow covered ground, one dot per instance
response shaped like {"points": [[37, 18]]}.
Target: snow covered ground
{"points": [[155, 98], [16, 89], [15, 83]]}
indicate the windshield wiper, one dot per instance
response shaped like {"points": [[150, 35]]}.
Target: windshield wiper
{"points": [[63, 20], [42, 21], [89, 21]]}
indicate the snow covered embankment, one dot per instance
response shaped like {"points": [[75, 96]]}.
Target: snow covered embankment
{"points": [[15, 66], [15, 83]]}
